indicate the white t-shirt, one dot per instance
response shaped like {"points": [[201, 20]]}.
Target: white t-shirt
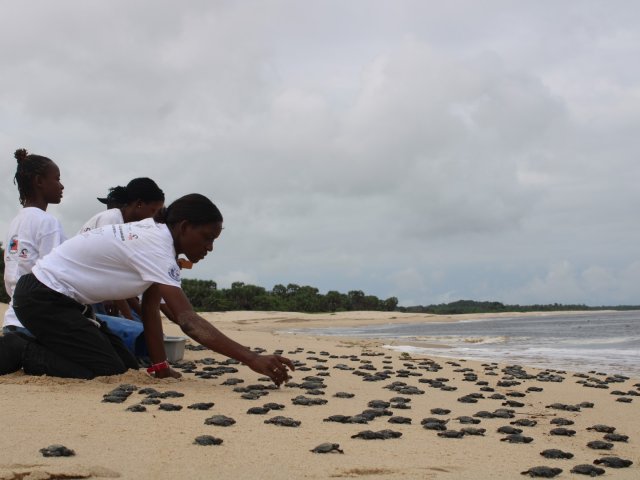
{"points": [[113, 216], [112, 262], [32, 234]]}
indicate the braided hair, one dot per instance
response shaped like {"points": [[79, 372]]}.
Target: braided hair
{"points": [[29, 166]]}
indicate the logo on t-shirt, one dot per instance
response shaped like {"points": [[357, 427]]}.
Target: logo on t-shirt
{"points": [[13, 244], [174, 272], [24, 253]]}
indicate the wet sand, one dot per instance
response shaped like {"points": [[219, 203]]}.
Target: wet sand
{"points": [[111, 442]]}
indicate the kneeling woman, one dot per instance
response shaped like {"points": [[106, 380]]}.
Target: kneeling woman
{"points": [[122, 261]]}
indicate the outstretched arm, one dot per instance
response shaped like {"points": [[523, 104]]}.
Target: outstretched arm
{"points": [[196, 327]]}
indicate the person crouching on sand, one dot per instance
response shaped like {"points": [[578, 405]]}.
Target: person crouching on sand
{"points": [[121, 261]]}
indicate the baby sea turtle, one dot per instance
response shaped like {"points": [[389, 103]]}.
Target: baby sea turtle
{"points": [[586, 469], [451, 434], [561, 431], [150, 401], [600, 445], [220, 421], [114, 398], [440, 411], [509, 430], [468, 420], [542, 472], [201, 406], [517, 438], [378, 404], [613, 462], [473, 431], [400, 420], [624, 399], [137, 408], [169, 407], [232, 381], [602, 428], [524, 422], [328, 448], [57, 451], [207, 440], [302, 400], [434, 426], [258, 410], [555, 453], [283, 421], [379, 435], [147, 391], [344, 395], [616, 437], [273, 406], [561, 421]]}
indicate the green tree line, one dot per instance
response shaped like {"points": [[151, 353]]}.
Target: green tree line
{"points": [[206, 296], [472, 306]]}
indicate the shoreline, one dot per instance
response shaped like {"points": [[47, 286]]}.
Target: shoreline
{"points": [[111, 442]]}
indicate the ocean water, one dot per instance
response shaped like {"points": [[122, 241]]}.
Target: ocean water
{"points": [[602, 341]]}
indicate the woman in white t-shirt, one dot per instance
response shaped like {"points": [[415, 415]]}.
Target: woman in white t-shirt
{"points": [[121, 261], [33, 233], [140, 199]]}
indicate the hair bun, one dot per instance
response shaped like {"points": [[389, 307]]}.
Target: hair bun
{"points": [[21, 154]]}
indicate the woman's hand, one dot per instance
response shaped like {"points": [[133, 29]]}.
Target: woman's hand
{"points": [[273, 366]]}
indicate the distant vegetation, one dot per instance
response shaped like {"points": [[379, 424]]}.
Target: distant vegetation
{"points": [[205, 296], [471, 306]]}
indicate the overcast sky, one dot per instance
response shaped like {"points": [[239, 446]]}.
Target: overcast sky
{"points": [[427, 150]]}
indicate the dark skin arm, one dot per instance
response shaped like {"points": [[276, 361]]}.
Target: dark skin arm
{"points": [[199, 329], [153, 330]]}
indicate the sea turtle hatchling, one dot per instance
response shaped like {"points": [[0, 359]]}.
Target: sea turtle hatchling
{"points": [[451, 434], [586, 469], [379, 435], [602, 428], [220, 421], [562, 421], [616, 437], [400, 420], [524, 422], [440, 411], [169, 407], [57, 451], [206, 440], [468, 420], [613, 462], [137, 408], [201, 406], [517, 438], [556, 454], [344, 395], [258, 410], [562, 432], [542, 472], [283, 421], [600, 445], [327, 448], [473, 431], [509, 430]]}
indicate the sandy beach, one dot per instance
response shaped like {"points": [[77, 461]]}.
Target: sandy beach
{"points": [[112, 442]]}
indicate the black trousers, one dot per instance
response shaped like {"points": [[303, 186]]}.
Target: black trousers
{"points": [[67, 344]]}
